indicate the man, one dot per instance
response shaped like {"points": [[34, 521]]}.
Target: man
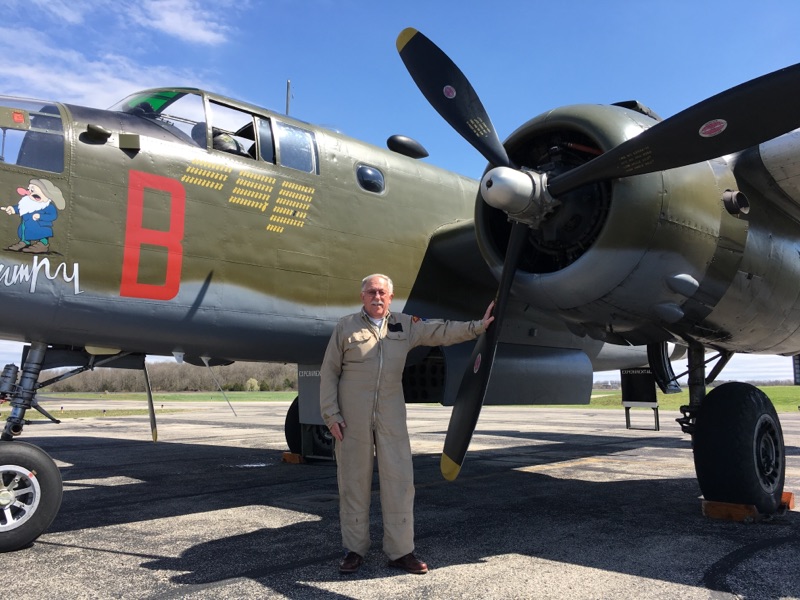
{"points": [[361, 398]]}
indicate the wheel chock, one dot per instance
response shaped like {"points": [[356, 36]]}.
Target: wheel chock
{"points": [[743, 513], [292, 458]]}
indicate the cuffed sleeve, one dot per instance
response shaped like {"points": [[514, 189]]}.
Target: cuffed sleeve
{"points": [[478, 327], [329, 374]]}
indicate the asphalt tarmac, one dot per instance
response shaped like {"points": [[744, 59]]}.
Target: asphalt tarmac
{"points": [[551, 503]]}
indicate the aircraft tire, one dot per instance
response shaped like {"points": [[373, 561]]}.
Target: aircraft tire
{"points": [[321, 438], [30, 494], [323, 441], [292, 429], [739, 454]]}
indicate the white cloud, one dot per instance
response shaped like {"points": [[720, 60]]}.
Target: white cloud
{"points": [[66, 75], [70, 12], [185, 19], [191, 21], [95, 52]]}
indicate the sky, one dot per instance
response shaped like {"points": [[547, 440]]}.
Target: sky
{"points": [[522, 56]]}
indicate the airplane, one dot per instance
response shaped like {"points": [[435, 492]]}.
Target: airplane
{"points": [[181, 222]]}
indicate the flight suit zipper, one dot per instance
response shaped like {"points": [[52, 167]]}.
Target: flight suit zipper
{"points": [[378, 381]]}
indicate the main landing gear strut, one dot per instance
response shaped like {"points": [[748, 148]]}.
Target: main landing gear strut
{"points": [[737, 439]]}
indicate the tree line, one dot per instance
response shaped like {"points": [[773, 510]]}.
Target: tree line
{"points": [[173, 377], [168, 376]]}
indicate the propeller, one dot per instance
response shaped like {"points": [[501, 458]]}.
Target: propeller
{"points": [[454, 98], [734, 120]]}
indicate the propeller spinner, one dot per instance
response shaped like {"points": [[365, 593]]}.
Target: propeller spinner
{"points": [[738, 118]]}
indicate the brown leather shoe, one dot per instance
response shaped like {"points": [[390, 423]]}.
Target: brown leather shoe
{"points": [[351, 563], [410, 564], [18, 246]]}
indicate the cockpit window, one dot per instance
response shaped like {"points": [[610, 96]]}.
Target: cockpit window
{"points": [[232, 130], [31, 134], [177, 112], [265, 140], [224, 128], [151, 101], [297, 148]]}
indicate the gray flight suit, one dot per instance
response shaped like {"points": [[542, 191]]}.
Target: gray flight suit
{"points": [[361, 384]]}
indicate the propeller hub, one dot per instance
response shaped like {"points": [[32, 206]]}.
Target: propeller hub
{"points": [[521, 194]]}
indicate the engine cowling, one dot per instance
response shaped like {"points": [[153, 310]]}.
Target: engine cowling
{"points": [[629, 261]]}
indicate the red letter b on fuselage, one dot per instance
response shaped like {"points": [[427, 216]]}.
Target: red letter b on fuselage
{"points": [[136, 236]]}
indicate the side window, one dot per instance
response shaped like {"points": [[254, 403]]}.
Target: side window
{"points": [[232, 130], [31, 135], [370, 178], [183, 113], [266, 145], [297, 148]]}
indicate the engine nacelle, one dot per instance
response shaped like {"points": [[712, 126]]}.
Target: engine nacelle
{"points": [[630, 261], [521, 374]]}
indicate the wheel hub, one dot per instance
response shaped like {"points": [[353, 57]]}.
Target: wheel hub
{"points": [[19, 498], [6, 497], [767, 454]]}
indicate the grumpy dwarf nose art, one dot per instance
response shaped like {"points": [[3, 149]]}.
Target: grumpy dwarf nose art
{"points": [[37, 209]]}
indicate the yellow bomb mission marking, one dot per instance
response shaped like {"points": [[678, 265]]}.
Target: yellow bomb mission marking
{"points": [[254, 190]]}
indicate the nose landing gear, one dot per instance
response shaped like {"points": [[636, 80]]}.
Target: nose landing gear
{"points": [[30, 482]]}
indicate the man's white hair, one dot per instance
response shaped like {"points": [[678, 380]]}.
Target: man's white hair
{"points": [[388, 279]]}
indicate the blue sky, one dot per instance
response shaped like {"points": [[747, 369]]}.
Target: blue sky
{"points": [[522, 56]]}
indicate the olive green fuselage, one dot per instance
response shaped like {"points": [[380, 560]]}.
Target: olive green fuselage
{"points": [[163, 246]]}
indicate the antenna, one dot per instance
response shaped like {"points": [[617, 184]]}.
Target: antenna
{"points": [[288, 94]]}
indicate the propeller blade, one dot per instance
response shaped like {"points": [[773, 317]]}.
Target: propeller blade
{"points": [[469, 400], [741, 117], [451, 94]]}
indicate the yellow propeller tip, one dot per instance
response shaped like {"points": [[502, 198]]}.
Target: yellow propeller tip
{"points": [[404, 37], [450, 468]]}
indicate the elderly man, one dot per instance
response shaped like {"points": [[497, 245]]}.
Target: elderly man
{"points": [[361, 398]]}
